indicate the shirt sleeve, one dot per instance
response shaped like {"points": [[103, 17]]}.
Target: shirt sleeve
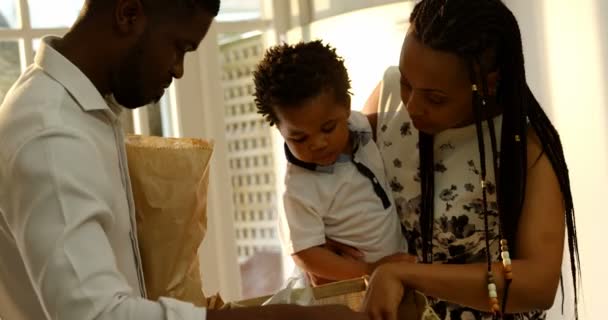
{"points": [[300, 224], [60, 215], [390, 95]]}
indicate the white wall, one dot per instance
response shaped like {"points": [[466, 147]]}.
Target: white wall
{"points": [[531, 23], [328, 8], [567, 51], [367, 48], [602, 13]]}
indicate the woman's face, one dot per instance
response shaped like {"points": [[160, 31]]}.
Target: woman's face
{"points": [[435, 87]]}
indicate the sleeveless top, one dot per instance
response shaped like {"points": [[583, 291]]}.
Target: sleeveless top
{"points": [[458, 226]]}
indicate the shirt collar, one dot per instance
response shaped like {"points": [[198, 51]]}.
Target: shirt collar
{"points": [[70, 77], [313, 166]]}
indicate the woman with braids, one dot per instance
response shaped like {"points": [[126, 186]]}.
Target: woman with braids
{"points": [[476, 169]]}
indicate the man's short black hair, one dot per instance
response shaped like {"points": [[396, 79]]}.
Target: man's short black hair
{"points": [[165, 6], [211, 6]]}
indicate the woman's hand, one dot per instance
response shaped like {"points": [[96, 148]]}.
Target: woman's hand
{"points": [[384, 293], [393, 258]]}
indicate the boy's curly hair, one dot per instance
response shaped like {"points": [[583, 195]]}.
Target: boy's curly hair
{"points": [[290, 75]]}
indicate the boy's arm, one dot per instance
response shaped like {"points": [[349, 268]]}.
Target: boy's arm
{"points": [[326, 264], [302, 233]]}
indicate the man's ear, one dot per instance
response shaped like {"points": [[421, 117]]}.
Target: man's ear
{"points": [[129, 17]]}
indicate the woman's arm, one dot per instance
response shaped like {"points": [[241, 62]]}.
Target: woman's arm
{"points": [[540, 244]]}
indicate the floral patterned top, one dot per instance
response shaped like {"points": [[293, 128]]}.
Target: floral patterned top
{"points": [[458, 235]]}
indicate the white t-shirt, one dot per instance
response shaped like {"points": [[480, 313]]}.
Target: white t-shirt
{"points": [[68, 246], [349, 201]]}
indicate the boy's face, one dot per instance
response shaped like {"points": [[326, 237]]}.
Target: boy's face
{"points": [[317, 130]]}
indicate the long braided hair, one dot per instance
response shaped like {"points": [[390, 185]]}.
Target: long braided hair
{"points": [[472, 29]]}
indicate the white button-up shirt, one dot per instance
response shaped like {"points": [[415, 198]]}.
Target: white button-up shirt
{"points": [[68, 248]]}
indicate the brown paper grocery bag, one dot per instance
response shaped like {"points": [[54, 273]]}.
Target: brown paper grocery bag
{"points": [[169, 178]]}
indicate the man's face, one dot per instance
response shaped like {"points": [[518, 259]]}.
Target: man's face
{"points": [[156, 57]]}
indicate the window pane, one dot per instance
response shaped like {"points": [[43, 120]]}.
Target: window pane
{"points": [[235, 10], [10, 64], [238, 58], [47, 14], [9, 17], [126, 119], [165, 115], [155, 119], [36, 44]]}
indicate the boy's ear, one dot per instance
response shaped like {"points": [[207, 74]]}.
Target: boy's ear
{"points": [[348, 100]]}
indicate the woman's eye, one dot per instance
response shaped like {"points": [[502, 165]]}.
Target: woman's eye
{"points": [[435, 100], [405, 84]]}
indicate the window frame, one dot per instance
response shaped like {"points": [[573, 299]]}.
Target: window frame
{"points": [[190, 113]]}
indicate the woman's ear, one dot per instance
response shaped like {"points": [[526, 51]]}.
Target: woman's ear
{"points": [[492, 80]]}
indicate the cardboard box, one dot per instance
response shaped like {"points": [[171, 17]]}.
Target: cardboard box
{"points": [[351, 293]]}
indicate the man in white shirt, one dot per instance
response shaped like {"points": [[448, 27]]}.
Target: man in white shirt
{"points": [[67, 230]]}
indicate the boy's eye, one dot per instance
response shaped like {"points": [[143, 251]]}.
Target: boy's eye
{"points": [[329, 127], [328, 130], [298, 140]]}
